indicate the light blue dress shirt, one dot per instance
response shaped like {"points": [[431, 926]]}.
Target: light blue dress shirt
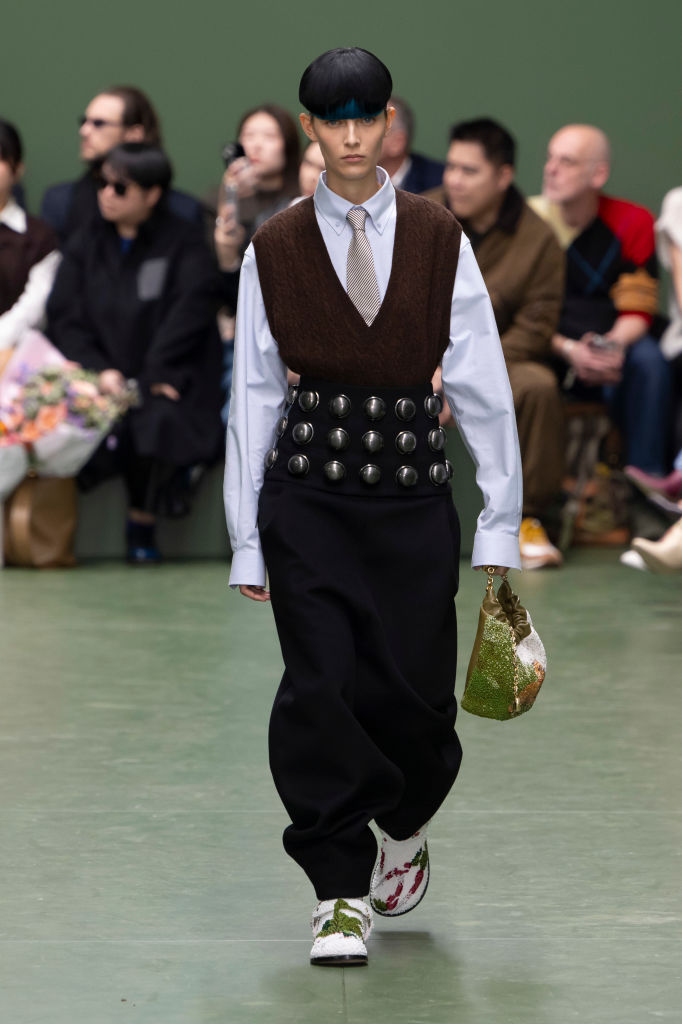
{"points": [[475, 384]]}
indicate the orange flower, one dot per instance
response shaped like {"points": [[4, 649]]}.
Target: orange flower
{"points": [[49, 417], [29, 432]]}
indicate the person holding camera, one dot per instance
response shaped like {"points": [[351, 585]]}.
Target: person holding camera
{"points": [[260, 179], [604, 336]]}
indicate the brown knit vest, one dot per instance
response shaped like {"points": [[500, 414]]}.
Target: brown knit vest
{"points": [[317, 328]]}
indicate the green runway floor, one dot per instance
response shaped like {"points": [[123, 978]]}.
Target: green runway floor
{"points": [[142, 874]]}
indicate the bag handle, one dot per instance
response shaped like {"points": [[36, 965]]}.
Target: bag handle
{"points": [[490, 588]]}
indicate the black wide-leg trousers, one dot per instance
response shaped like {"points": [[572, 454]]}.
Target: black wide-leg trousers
{"points": [[363, 723]]}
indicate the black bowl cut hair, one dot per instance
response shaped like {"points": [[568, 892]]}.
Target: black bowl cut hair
{"points": [[341, 76], [145, 165], [11, 149]]}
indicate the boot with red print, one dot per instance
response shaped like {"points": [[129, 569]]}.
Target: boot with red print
{"points": [[401, 874]]}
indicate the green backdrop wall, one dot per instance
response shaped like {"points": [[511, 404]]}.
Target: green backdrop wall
{"points": [[534, 64]]}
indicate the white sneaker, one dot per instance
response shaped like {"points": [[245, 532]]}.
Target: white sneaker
{"points": [[401, 874], [340, 928], [537, 551]]}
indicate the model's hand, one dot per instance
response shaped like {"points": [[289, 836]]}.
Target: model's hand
{"points": [[255, 593], [446, 419]]}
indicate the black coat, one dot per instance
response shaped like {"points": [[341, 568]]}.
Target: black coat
{"points": [[424, 173], [150, 313]]}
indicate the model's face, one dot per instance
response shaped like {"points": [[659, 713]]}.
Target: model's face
{"points": [[102, 128], [311, 167], [351, 147], [573, 167], [129, 209], [263, 144], [473, 184]]}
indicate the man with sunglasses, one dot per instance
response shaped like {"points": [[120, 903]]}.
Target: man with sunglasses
{"points": [[135, 298], [120, 114]]}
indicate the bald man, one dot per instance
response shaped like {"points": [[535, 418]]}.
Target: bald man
{"points": [[611, 295]]}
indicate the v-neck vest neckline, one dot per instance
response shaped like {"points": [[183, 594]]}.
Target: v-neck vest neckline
{"points": [[325, 264]]}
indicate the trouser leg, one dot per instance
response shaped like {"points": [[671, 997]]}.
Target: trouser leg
{"points": [[642, 406], [363, 723], [540, 424]]}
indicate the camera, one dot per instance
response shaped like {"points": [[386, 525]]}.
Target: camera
{"points": [[232, 151]]}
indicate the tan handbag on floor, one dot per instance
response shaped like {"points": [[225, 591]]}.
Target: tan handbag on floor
{"points": [[40, 523]]}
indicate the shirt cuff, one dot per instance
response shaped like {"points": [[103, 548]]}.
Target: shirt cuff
{"points": [[248, 569], [502, 549]]}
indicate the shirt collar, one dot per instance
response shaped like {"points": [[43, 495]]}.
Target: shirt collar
{"points": [[12, 216], [333, 208]]}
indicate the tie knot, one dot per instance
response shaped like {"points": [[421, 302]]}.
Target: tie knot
{"points": [[356, 217]]}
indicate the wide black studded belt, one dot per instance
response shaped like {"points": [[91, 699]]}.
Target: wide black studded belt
{"points": [[361, 440]]}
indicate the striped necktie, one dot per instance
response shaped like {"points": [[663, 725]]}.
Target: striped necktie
{"points": [[361, 279]]}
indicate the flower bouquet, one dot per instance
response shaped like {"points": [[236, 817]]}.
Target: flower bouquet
{"points": [[52, 419]]}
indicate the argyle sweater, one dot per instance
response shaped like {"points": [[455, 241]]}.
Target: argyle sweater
{"points": [[611, 267]]}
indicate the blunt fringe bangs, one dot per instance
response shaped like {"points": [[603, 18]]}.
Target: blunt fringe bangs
{"points": [[11, 149], [345, 82], [145, 165]]}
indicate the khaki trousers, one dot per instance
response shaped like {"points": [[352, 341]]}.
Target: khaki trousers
{"points": [[540, 423]]}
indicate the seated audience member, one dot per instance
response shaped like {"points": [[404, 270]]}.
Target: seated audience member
{"points": [[666, 491], [312, 165], [28, 251], [407, 170], [255, 186], [669, 245], [523, 269], [120, 114], [135, 298], [611, 293]]}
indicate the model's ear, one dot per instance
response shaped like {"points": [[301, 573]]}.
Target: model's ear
{"points": [[308, 126], [390, 117]]}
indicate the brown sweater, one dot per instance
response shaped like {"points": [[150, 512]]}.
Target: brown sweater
{"points": [[523, 268], [18, 253], [317, 328]]}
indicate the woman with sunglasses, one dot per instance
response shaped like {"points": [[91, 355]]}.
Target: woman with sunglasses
{"points": [[135, 298], [28, 251]]}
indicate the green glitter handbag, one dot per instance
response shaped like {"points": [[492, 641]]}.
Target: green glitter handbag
{"points": [[508, 662]]}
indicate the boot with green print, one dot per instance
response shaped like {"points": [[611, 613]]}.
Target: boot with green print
{"points": [[340, 928], [401, 874]]}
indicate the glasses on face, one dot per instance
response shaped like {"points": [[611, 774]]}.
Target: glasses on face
{"points": [[98, 122], [120, 187]]}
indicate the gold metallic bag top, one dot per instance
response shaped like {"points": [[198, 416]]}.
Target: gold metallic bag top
{"points": [[508, 662]]}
